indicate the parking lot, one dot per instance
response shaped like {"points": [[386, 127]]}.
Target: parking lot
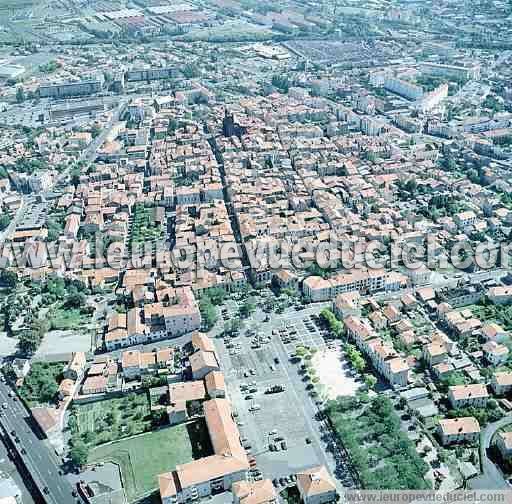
{"points": [[280, 429]]}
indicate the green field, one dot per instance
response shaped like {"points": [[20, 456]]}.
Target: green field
{"points": [[68, 318], [144, 229], [142, 458], [110, 420], [228, 32]]}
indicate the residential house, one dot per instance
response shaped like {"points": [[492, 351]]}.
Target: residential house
{"points": [[392, 313], [378, 320], [347, 304], [182, 397]]}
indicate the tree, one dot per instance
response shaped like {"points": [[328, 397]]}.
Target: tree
{"points": [[5, 220], [281, 82], [370, 381], [9, 373], [28, 342], [172, 126], [75, 300], [359, 364], [208, 312], [20, 95], [79, 453], [217, 296], [247, 308], [334, 324], [8, 279], [159, 417], [96, 130], [191, 71]]}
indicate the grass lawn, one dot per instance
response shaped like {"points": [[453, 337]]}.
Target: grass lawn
{"points": [[110, 420], [67, 318], [142, 458]]}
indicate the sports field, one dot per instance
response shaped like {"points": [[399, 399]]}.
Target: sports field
{"points": [[143, 457]]}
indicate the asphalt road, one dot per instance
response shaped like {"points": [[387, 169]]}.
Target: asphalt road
{"points": [[491, 476], [89, 154], [38, 459]]}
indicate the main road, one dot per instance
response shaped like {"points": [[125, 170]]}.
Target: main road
{"points": [[38, 460]]}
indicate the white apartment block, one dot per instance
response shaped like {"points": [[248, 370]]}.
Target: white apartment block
{"points": [[451, 71], [403, 88]]}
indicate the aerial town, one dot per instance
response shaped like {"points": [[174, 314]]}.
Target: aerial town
{"points": [[254, 252]]}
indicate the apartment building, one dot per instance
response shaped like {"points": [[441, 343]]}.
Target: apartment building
{"points": [[451, 71], [202, 363], [68, 89], [431, 100], [500, 294], [213, 474], [465, 219], [474, 395], [458, 430], [319, 289], [184, 316], [371, 126], [215, 385], [403, 88]]}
